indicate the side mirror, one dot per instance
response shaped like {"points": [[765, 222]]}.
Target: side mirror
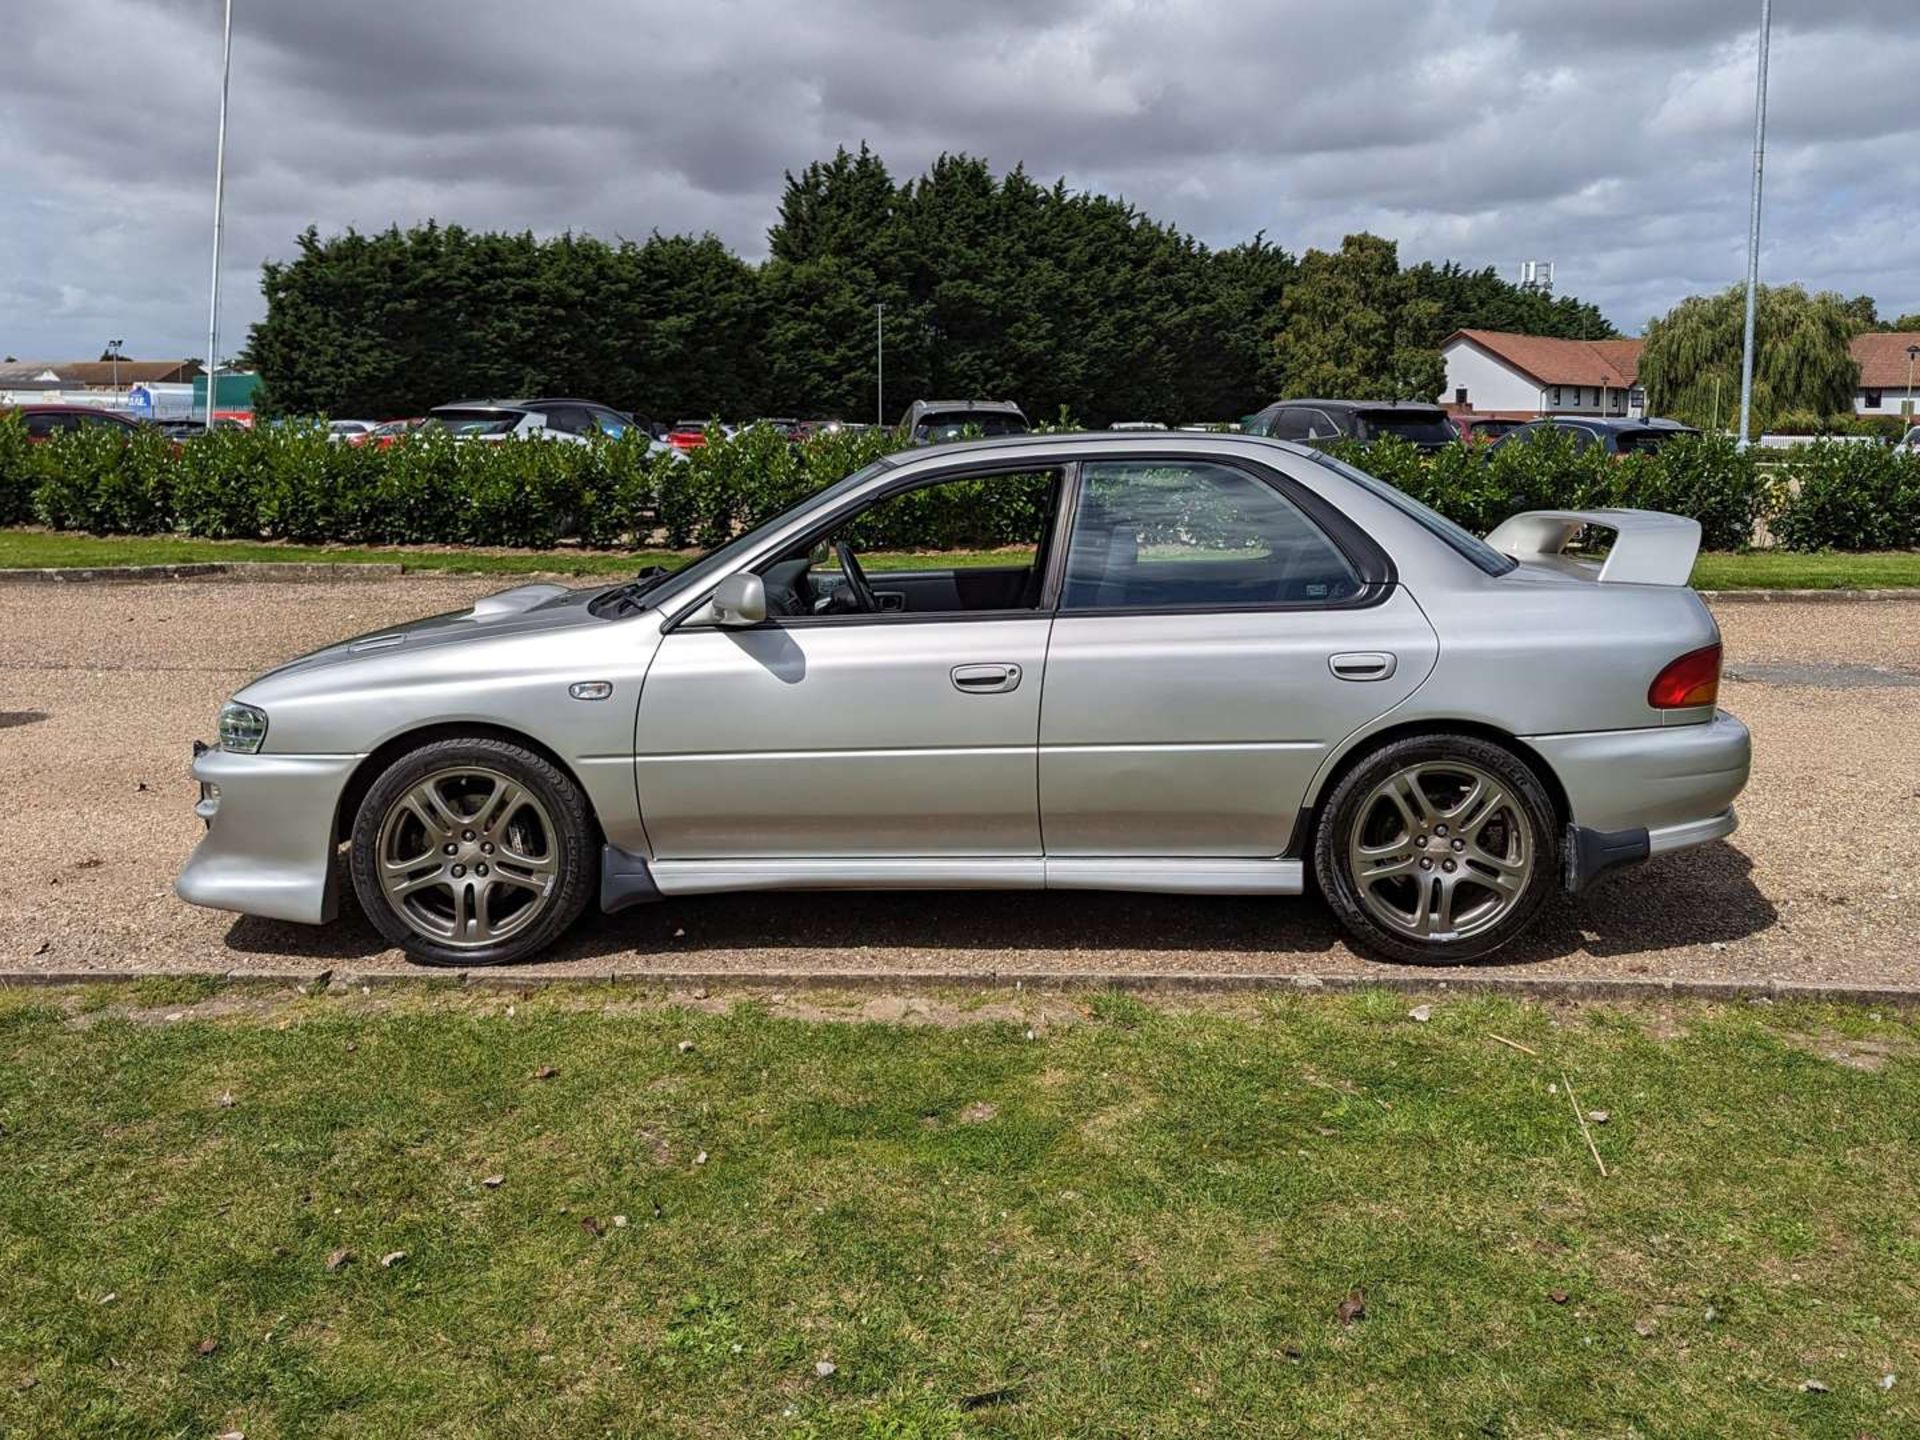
{"points": [[740, 600]]}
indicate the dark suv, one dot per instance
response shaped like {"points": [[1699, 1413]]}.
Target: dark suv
{"points": [[43, 422], [1614, 437], [1316, 421]]}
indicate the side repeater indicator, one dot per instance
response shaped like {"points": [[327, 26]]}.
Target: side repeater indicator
{"points": [[590, 689]]}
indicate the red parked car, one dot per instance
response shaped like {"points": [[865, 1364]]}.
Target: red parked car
{"points": [[1480, 429], [43, 422]]}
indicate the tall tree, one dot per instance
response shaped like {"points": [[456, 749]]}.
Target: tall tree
{"points": [[1355, 326], [1691, 364]]}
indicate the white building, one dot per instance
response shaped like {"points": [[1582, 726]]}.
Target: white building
{"points": [[1492, 372], [1887, 373]]}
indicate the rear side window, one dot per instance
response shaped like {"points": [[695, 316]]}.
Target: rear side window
{"points": [[1187, 535], [1463, 541], [44, 424]]}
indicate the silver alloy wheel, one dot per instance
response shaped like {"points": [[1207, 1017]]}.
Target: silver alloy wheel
{"points": [[468, 857], [1440, 850]]}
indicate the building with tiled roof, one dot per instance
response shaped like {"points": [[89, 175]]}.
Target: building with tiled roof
{"points": [[1494, 372]]}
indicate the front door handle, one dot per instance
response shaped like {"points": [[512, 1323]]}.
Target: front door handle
{"points": [[1363, 665], [985, 679]]}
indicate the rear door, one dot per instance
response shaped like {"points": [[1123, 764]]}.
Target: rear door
{"points": [[1220, 628]]}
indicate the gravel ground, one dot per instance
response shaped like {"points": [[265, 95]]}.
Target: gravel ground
{"points": [[103, 688]]}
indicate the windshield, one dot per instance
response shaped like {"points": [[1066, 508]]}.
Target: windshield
{"points": [[720, 559], [954, 424], [1464, 541], [474, 422], [1422, 427]]}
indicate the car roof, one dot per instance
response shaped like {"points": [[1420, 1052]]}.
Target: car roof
{"points": [[1362, 404], [59, 407], [1613, 423], [502, 405], [993, 407]]}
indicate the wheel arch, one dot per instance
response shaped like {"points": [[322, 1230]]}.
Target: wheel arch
{"points": [[1359, 747], [377, 760]]}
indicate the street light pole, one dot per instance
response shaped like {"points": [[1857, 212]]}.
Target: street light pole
{"points": [[1913, 353], [1753, 223], [113, 352], [880, 364], [219, 200]]}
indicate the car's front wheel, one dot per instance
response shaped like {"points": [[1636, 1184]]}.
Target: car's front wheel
{"points": [[1437, 849], [472, 852]]}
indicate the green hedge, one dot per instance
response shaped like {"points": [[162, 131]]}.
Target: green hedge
{"points": [[292, 484]]}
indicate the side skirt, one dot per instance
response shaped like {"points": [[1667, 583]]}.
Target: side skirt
{"points": [[621, 883]]}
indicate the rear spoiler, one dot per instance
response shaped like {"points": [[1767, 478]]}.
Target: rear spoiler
{"points": [[1650, 547]]}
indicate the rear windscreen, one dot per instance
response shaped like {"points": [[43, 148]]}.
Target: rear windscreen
{"points": [[1422, 428], [1628, 441], [953, 424]]}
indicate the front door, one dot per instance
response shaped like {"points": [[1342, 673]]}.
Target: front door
{"points": [[1213, 642], [888, 707]]}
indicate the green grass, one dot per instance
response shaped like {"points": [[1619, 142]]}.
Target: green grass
{"points": [[1780, 570], [44, 549], [1141, 1223]]}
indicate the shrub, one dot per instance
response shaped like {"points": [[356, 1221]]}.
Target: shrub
{"points": [[16, 472], [99, 479], [1850, 497]]}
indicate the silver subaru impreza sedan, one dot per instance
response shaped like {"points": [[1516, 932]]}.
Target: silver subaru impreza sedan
{"points": [[1208, 664]]}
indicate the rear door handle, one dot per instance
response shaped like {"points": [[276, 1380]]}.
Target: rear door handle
{"points": [[1363, 665], [985, 679]]}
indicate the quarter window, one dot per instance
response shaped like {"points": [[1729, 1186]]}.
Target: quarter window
{"points": [[1189, 535]]}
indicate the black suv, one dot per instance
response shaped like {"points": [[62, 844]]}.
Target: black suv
{"points": [[1316, 421], [1614, 437]]}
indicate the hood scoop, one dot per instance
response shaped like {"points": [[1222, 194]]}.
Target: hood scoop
{"points": [[376, 642], [516, 601]]}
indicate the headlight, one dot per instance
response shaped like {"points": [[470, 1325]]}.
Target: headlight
{"points": [[243, 728]]}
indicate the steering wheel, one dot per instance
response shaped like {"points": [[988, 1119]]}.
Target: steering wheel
{"points": [[863, 597]]}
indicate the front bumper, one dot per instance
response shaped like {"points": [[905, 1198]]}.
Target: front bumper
{"points": [[269, 845]]}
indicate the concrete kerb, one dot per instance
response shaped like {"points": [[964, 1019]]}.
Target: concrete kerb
{"points": [[1524, 987]]}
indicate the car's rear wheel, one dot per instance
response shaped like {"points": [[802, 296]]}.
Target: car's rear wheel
{"points": [[472, 852], [1437, 849]]}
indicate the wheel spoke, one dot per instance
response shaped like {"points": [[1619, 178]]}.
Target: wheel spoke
{"points": [[499, 807], [1443, 910], [400, 886]]}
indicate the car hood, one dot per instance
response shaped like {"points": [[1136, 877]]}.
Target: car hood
{"points": [[523, 610]]}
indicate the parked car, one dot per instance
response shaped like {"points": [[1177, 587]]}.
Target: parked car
{"points": [[389, 433], [349, 432], [567, 419], [1318, 421], [44, 421], [1912, 443], [685, 435], [1257, 662], [1480, 429], [1615, 437], [929, 422]]}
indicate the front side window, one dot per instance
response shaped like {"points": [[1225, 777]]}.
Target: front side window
{"points": [[1187, 535], [969, 545]]}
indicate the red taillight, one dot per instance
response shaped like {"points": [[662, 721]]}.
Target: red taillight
{"points": [[1693, 679]]}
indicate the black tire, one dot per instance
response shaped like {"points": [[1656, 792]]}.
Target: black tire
{"points": [[1354, 801], [559, 812]]}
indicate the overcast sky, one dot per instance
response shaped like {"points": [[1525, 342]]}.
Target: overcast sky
{"points": [[1613, 138]]}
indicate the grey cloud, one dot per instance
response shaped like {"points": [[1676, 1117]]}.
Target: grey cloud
{"points": [[1611, 138]]}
